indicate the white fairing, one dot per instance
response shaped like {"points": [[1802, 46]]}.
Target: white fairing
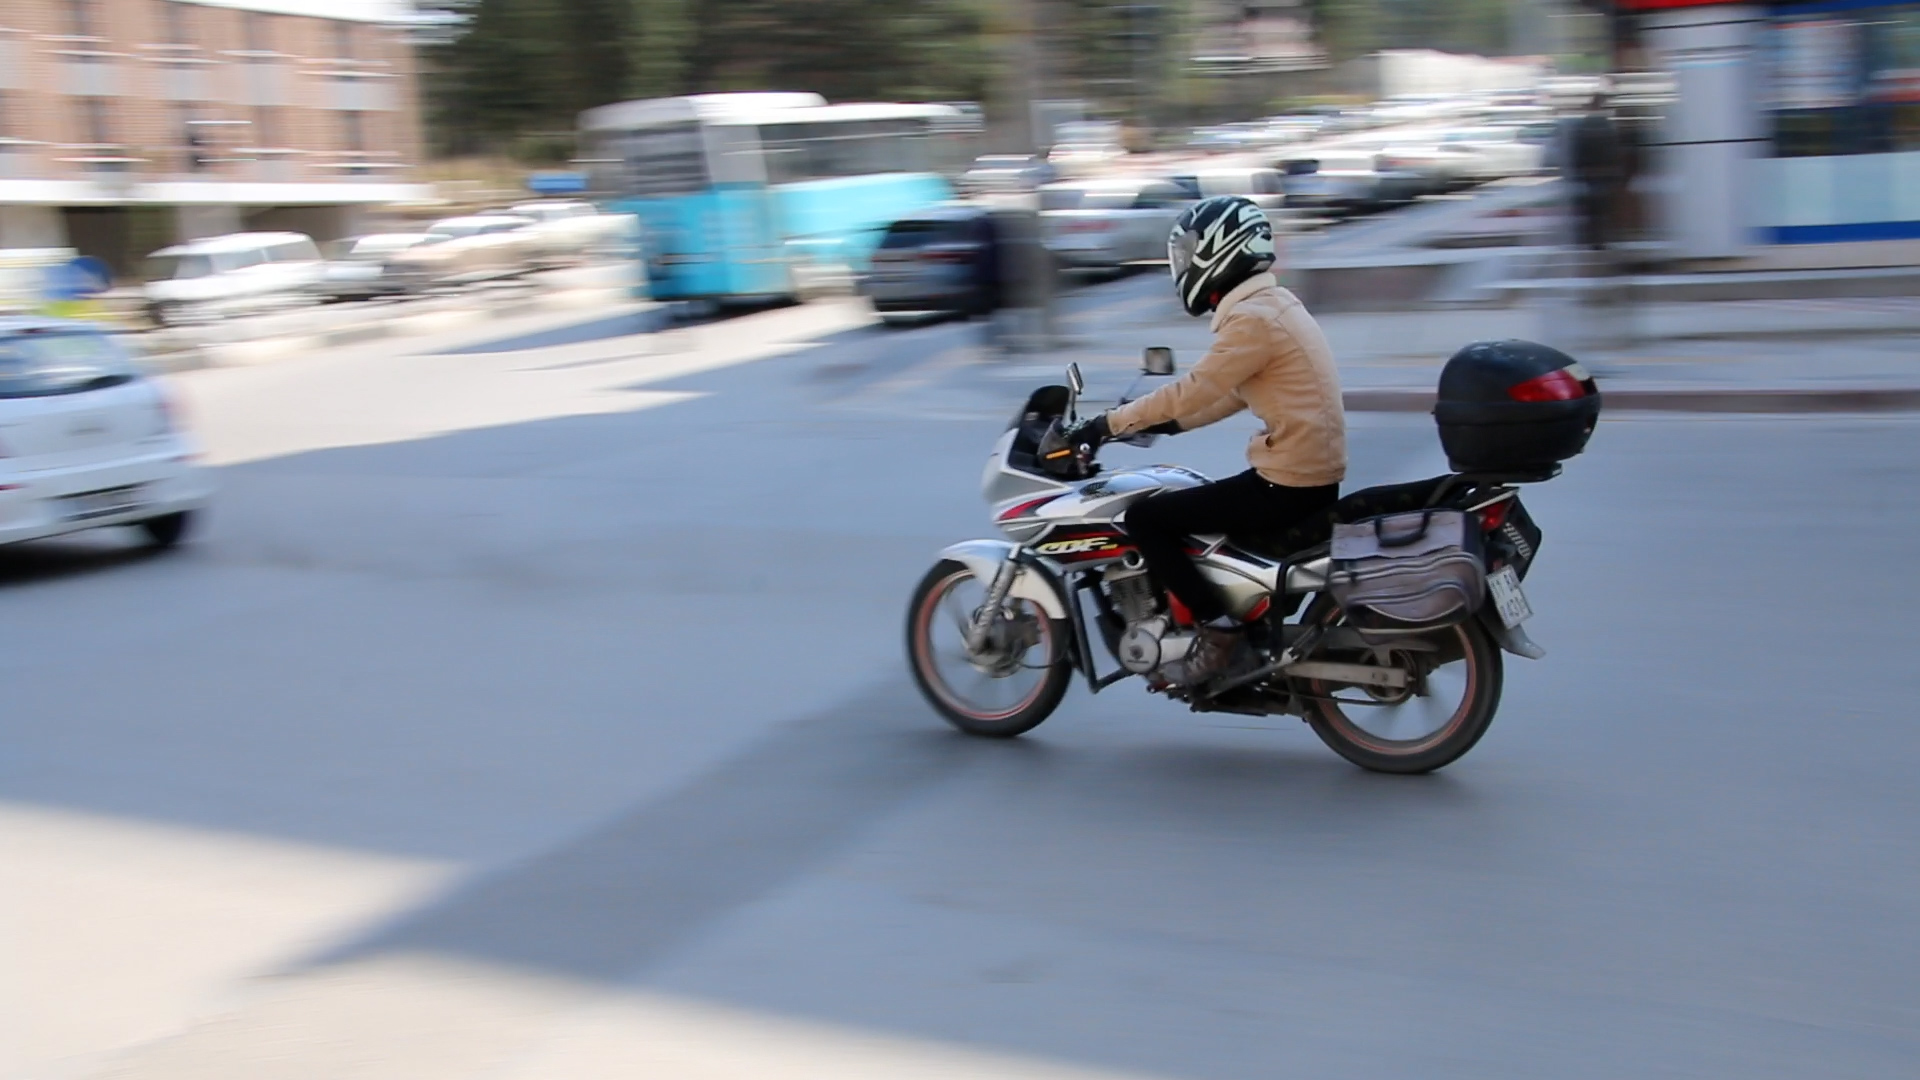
{"points": [[1103, 498], [984, 558], [1029, 507], [1002, 485]]}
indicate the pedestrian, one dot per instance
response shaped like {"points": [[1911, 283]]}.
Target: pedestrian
{"points": [[1595, 166], [989, 278]]}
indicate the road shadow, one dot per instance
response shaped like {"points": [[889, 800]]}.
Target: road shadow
{"points": [[617, 898], [94, 552]]}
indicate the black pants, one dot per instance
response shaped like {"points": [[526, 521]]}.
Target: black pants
{"points": [[1244, 504]]}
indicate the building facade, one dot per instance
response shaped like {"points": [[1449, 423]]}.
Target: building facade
{"points": [[1795, 135], [126, 125]]}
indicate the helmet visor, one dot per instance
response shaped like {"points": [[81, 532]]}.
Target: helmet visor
{"points": [[1180, 250]]}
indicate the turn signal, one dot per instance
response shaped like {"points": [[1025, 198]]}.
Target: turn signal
{"points": [[1559, 385]]}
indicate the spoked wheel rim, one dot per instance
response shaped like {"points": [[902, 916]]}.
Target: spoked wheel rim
{"points": [[1003, 679], [1389, 722]]}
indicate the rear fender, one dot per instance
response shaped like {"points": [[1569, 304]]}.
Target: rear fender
{"points": [[1034, 582], [1514, 639]]}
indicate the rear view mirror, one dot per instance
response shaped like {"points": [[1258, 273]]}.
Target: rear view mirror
{"points": [[1075, 379], [1157, 360]]}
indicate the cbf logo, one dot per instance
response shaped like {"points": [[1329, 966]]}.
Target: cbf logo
{"points": [[1081, 546]]}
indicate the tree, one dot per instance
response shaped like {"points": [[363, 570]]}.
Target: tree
{"points": [[530, 66]]}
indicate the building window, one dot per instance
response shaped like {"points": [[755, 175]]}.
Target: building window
{"points": [[266, 127], [1845, 81], [80, 18], [353, 130], [193, 139], [93, 118], [343, 40], [176, 18]]}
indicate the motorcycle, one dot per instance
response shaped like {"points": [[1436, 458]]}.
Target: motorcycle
{"points": [[997, 629]]}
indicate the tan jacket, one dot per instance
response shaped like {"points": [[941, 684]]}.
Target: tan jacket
{"points": [[1268, 355]]}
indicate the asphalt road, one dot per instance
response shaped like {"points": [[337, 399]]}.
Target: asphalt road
{"points": [[541, 712]]}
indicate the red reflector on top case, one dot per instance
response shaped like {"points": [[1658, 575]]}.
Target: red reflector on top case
{"points": [[1553, 386]]}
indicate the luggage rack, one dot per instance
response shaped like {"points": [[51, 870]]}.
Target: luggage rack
{"points": [[1503, 477], [1499, 478]]}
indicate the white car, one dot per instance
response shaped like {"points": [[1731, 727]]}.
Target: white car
{"points": [[1084, 159], [570, 230], [1499, 151], [1266, 187], [87, 441], [227, 275], [1108, 223], [357, 266]]}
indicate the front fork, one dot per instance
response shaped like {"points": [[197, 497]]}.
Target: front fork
{"points": [[982, 624]]}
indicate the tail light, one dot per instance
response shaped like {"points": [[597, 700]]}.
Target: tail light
{"points": [[1495, 515], [1565, 384], [947, 256], [1089, 225]]}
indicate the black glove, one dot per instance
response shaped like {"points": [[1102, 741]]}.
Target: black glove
{"points": [[1087, 435]]}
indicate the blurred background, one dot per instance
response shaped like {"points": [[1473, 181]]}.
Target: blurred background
{"points": [[582, 386], [1736, 138]]}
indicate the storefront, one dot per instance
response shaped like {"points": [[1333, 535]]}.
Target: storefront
{"points": [[1793, 124]]}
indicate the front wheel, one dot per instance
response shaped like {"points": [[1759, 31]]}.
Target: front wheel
{"points": [[1429, 724], [1007, 687]]}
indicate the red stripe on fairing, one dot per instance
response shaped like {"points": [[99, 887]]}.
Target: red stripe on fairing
{"points": [[1025, 508]]}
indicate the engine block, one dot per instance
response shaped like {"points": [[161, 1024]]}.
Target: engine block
{"points": [[1131, 592]]}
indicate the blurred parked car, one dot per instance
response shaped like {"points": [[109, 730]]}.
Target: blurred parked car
{"points": [[90, 441], [994, 173], [224, 275], [1084, 159], [1439, 166], [569, 230], [1347, 182], [1108, 223], [357, 267], [1086, 148], [1500, 151], [466, 249], [937, 261], [1266, 187]]}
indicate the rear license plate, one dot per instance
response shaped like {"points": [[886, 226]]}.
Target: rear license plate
{"points": [[1507, 597], [107, 503]]}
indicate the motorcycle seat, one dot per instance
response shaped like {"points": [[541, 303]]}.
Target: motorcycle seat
{"points": [[1318, 529]]}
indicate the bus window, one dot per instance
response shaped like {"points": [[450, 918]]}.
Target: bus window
{"points": [[657, 161]]}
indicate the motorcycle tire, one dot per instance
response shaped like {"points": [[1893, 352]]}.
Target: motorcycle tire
{"points": [[1016, 717], [1480, 664]]}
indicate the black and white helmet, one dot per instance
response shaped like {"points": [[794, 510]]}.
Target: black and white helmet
{"points": [[1217, 244]]}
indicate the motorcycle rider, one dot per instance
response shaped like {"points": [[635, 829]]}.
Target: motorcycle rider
{"points": [[1268, 355]]}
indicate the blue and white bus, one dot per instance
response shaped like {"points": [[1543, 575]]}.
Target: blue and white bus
{"points": [[753, 196]]}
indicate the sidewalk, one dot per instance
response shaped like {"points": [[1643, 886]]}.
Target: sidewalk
{"points": [[1742, 356]]}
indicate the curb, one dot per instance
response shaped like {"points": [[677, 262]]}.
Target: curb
{"points": [[401, 324], [1773, 400]]}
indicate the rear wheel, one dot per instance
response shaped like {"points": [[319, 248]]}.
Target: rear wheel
{"points": [[1455, 691], [1008, 686], [168, 529]]}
